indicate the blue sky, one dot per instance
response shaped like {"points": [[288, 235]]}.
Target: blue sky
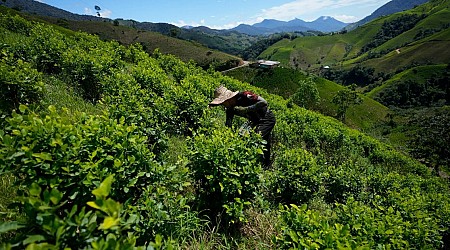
{"points": [[222, 14]]}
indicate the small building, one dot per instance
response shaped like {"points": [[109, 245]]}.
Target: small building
{"points": [[268, 64]]}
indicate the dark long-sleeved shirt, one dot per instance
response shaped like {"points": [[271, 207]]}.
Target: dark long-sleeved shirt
{"points": [[254, 108]]}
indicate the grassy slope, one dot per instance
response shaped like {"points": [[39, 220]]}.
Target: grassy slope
{"points": [[307, 51], [343, 51], [435, 21], [363, 116], [426, 51]]}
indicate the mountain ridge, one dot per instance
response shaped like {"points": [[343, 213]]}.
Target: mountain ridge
{"points": [[271, 26]]}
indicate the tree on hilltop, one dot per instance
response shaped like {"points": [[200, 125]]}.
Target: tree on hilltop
{"points": [[344, 99]]}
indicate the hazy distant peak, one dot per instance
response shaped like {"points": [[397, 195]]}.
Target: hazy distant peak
{"points": [[270, 26]]}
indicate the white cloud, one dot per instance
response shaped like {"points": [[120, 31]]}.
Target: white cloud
{"points": [[237, 23], [346, 19], [182, 23], [88, 11], [41, 1], [225, 26], [298, 8], [103, 13]]}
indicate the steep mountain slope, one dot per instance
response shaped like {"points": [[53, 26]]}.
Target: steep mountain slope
{"points": [[422, 86], [403, 58], [389, 8]]}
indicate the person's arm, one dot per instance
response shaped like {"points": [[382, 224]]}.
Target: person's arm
{"points": [[260, 104], [229, 117]]}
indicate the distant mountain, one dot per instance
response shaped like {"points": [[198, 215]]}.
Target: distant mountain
{"points": [[42, 9], [326, 24], [297, 22], [251, 30], [271, 26], [391, 7], [210, 31]]}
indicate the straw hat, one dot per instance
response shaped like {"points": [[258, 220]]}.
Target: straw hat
{"points": [[221, 94]]}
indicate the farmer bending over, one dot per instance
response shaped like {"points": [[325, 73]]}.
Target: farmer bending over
{"points": [[250, 106]]}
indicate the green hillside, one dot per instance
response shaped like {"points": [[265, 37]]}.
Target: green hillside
{"points": [[185, 50], [105, 147], [418, 34], [425, 51], [418, 76]]}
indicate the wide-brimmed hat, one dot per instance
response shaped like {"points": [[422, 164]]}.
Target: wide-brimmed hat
{"points": [[221, 94]]}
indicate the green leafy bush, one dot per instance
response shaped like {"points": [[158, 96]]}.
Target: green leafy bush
{"points": [[55, 153], [100, 224], [73, 158], [19, 84], [387, 225], [307, 95], [88, 66], [307, 229], [356, 225], [227, 167], [16, 24], [47, 47], [138, 107], [296, 177]]}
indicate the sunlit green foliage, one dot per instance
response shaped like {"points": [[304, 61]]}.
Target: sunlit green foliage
{"points": [[102, 181]]}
